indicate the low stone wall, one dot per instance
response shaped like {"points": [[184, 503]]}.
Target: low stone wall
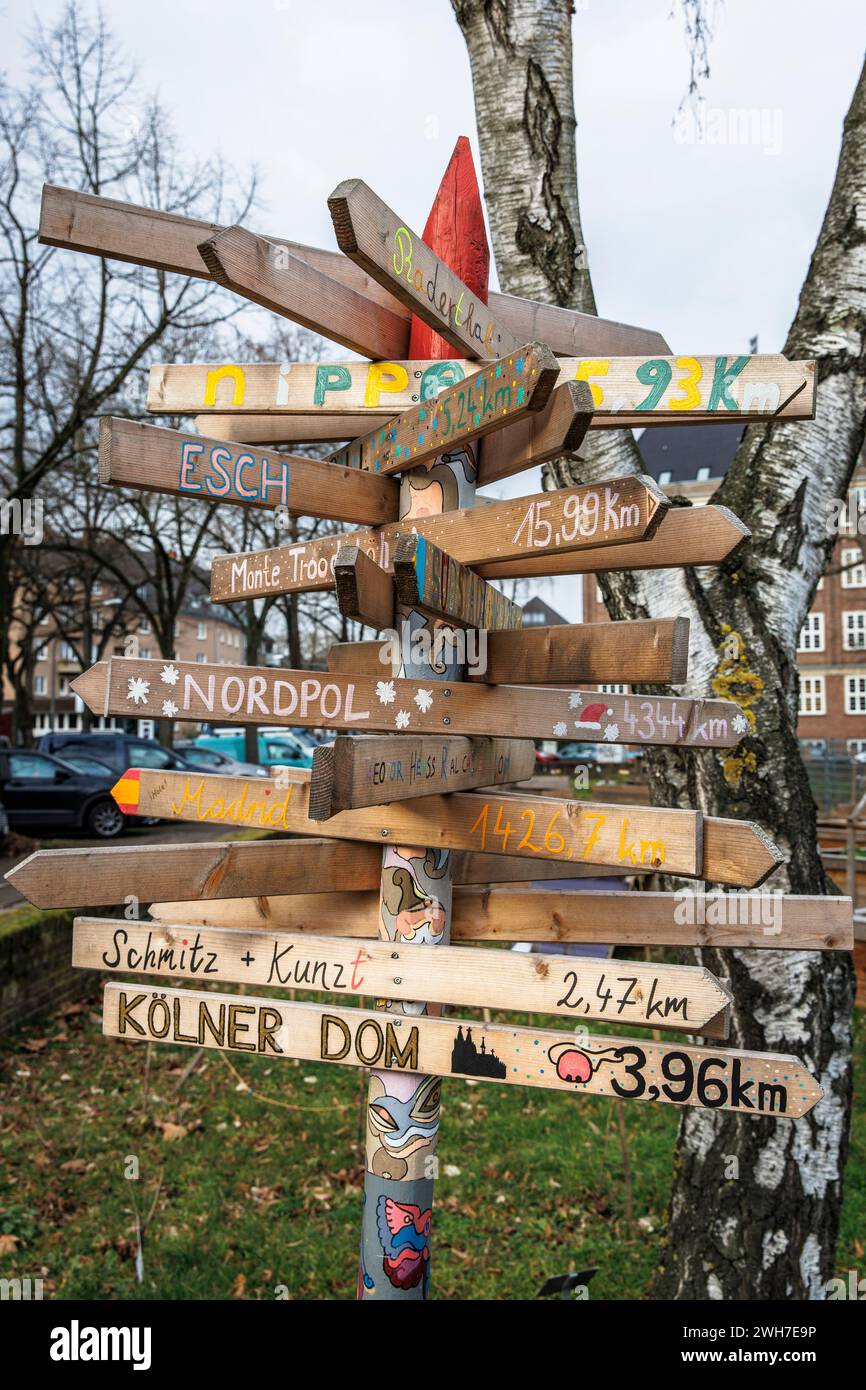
{"points": [[36, 973]]}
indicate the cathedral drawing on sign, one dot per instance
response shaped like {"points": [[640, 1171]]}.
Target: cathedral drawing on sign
{"points": [[466, 1058]]}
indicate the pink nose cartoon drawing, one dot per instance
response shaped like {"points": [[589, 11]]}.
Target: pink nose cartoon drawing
{"points": [[575, 1064]]}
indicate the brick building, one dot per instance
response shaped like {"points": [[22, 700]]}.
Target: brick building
{"points": [[205, 633], [831, 654]]}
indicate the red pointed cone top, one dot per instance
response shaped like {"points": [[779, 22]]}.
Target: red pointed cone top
{"points": [[455, 231]]}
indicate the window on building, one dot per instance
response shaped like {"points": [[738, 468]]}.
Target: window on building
{"points": [[64, 685], [855, 694], [811, 637], [40, 685], [613, 689], [664, 477], [703, 475], [853, 569], [854, 630], [67, 652], [201, 658], [145, 653], [856, 745], [812, 695], [201, 631], [144, 626], [41, 654], [96, 587]]}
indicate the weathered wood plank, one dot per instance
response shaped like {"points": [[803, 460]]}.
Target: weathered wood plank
{"points": [[144, 688], [379, 241], [500, 393], [680, 997], [625, 390], [534, 827], [168, 241], [640, 652], [270, 275], [432, 582], [365, 591], [684, 536], [364, 771], [754, 920], [633, 1069], [592, 515], [160, 460]]}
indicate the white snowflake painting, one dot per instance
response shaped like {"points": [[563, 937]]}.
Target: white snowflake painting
{"points": [[424, 699], [138, 689], [402, 719], [169, 709], [169, 675], [611, 732], [575, 700], [560, 730], [385, 692], [739, 723]]}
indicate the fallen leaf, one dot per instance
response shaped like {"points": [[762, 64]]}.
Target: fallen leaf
{"points": [[170, 1131], [74, 1165], [239, 1287], [9, 1244]]}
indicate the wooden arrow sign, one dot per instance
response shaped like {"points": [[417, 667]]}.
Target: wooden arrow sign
{"points": [[160, 460], [640, 652], [141, 688], [685, 536], [428, 580], [633, 392], [169, 241], [534, 827], [537, 828], [270, 275], [750, 1082], [554, 432], [379, 241], [684, 998], [353, 772], [575, 518], [492, 399], [757, 920], [251, 872]]}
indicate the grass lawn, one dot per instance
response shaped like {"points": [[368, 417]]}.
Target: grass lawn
{"points": [[250, 1176]]}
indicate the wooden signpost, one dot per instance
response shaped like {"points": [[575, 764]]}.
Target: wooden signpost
{"points": [[760, 1083], [632, 392], [429, 746], [684, 998], [146, 688], [521, 528]]}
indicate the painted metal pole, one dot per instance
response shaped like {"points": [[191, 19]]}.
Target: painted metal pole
{"points": [[415, 893]]}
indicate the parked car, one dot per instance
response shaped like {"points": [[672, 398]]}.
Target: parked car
{"points": [[545, 761], [210, 760], [118, 751], [281, 747], [82, 762], [570, 754], [40, 791]]}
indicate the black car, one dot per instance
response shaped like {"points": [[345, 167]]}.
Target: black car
{"points": [[39, 792], [118, 751]]}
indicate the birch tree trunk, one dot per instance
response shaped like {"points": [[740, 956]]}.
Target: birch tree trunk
{"points": [[755, 1205]]}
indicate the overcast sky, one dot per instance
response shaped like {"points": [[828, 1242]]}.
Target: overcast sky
{"points": [[707, 242]]}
